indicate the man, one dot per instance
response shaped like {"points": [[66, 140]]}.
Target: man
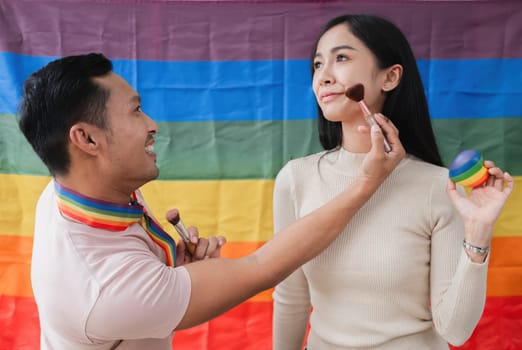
{"points": [[104, 274]]}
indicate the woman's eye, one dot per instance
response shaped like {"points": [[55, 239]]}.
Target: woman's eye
{"points": [[317, 65], [341, 58]]}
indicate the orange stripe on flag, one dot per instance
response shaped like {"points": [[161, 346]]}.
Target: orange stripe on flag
{"points": [[506, 252], [15, 264], [504, 276], [239, 249], [505, 267]]}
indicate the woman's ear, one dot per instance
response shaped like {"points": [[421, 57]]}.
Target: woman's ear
{"points": [[85, 137], [392, 78]]}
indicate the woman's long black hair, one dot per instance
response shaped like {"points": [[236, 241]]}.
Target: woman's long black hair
{"points": [[405, 105]]}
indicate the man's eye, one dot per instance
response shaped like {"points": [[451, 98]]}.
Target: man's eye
{"points": [[138, 109]]}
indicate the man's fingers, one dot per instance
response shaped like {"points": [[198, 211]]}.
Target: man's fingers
{"points": [[391, 133], [377, 139], [386, 124], [221, 240], [193, 234], [201, 249]]}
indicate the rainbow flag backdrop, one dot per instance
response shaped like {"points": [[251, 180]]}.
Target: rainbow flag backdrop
{"points": [[228, 83]]}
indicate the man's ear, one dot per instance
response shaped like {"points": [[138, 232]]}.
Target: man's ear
{"points": [[392, 78], [85, 137]]}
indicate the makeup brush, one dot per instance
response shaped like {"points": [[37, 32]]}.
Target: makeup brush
{"points": [[356, 93], [175, 219]]}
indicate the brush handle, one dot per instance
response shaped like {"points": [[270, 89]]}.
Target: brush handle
{"points": [[364, 108], [183, 233], [371, 121]]}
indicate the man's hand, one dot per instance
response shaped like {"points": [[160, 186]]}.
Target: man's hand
{"points": [[378, 164], [205, 247]]}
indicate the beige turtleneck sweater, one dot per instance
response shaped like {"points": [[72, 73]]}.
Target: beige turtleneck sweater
{"points": [[396, 278]]}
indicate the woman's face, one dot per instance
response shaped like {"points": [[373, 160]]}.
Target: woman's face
{"points": [[341, 61]]}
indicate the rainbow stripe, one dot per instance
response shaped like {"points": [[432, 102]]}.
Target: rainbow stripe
{"points": [[96, 213], [113, 217], [158, 235]]}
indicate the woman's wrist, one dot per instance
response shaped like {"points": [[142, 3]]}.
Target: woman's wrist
{"points": [[478, 234], [480, 250], [476, 253]]}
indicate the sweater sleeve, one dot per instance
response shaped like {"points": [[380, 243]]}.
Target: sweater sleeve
{"points": [[458, 285], [291, 297]]}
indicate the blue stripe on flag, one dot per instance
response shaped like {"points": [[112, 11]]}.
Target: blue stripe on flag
{"points": [[276, 90]]}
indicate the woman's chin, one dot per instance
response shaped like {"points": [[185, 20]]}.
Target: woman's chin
{"points": [[336, 118]]}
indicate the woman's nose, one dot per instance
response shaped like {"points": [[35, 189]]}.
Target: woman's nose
{"points": [[326, 81], [325, 77]]}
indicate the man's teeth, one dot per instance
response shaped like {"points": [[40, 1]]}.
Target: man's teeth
{"points": [[149, 149]]}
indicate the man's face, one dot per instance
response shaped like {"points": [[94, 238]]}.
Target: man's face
{"points": [[129, 160]]}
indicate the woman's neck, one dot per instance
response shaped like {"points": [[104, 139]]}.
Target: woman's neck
{"points": [[354, 140]]}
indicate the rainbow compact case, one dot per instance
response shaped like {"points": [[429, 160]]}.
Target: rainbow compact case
{"points": [[468, 170]]}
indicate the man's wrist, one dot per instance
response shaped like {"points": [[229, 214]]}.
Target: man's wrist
{"points": [[367, 185]]}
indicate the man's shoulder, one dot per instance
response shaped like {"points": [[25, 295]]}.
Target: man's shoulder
{"points": [[47, 193]]}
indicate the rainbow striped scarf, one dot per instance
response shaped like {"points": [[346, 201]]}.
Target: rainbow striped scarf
{"points": [[113, 217]]}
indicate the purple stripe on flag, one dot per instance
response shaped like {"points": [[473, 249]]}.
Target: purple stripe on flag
{"points": [[223, 30]]}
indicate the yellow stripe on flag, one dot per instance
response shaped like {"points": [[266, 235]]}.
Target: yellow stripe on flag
{"points": [[509, 223], [241, 210], [18, 195]]}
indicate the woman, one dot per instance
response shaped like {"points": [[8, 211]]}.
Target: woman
{"points": [[408, 271]]}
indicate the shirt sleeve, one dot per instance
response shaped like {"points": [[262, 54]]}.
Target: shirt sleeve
{"points": [[458, 285], [142, 298], [291, 297]]}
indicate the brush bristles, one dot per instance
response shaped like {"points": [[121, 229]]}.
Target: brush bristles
{"points": [[356, 92], [173, 216]]}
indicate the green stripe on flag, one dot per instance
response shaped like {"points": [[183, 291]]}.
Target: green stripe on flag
{"points": [[257, 150], [498, 139]]}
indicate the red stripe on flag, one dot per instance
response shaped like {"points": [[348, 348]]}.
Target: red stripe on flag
{"points": [[20, 328], [500, 326], [245, 327], [249, 327]]}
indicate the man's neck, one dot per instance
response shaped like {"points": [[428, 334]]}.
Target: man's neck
{"points": [[96, 188]]}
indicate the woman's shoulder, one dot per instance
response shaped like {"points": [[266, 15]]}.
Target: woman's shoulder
{"points": [[304, 161], [422, 167], [300, 165], [424, 174]]}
